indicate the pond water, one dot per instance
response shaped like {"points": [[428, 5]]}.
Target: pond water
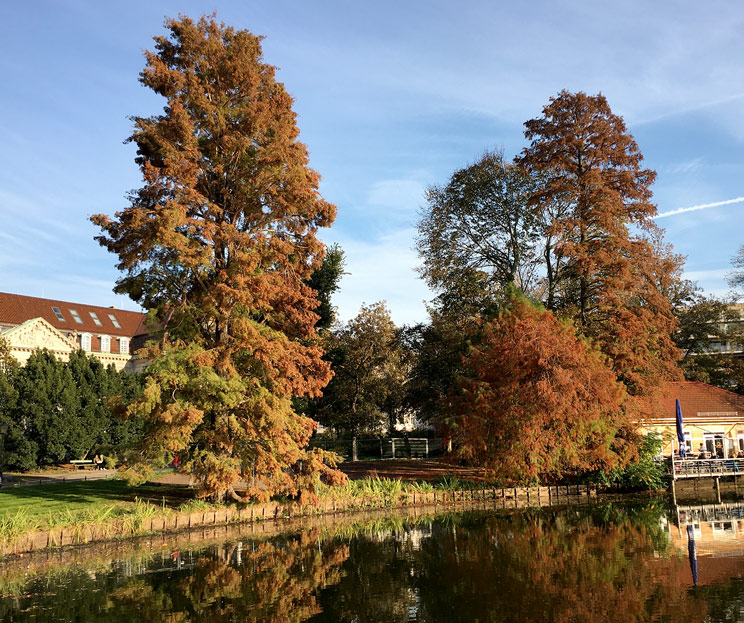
{"points": [[607, 562]]}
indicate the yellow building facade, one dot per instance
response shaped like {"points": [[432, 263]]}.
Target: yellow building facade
{"points": [[713, 420], [111, 335]]}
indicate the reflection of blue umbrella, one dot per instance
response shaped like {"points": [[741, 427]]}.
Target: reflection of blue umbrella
{"points": [[692, 553], [680, 431]]}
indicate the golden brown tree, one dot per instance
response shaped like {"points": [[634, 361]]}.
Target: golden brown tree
{"points": [[539, 403], [369, 373], [613, 263], [217, 244]]}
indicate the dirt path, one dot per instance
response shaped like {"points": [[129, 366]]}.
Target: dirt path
{"points": [[409, 469], [403, 469], [12, 479]]}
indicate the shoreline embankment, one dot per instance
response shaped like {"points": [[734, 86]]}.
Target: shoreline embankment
{"points": [[174, 522]]}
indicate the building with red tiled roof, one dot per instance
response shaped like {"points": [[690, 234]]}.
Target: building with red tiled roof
{"points": [[29, 323], [713, 418]]}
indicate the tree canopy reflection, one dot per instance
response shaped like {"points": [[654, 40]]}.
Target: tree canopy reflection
{"points": [[605, 564], [273, 581]]}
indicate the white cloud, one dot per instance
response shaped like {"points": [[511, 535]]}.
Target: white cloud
{"points": [[401, 195], [702, 206], [479, 59], [684, 168], [383, 269], [707, 275]]}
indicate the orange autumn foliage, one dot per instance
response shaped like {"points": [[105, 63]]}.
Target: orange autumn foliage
{"points": [[612, 261], [539, 402], [218, 244]]}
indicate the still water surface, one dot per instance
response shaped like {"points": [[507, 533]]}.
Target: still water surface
{"points": [[609, 562]]}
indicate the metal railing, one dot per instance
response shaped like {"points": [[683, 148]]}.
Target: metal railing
{"points": [[359, 449], [710, 512], [701, 468]]}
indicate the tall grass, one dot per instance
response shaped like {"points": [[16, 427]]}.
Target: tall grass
{"points": [[195, 505], [14, 525], [101, 519]]}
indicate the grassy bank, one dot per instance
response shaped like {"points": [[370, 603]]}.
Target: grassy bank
{"points": [[58, 505], [54, 498], [80, 512]]}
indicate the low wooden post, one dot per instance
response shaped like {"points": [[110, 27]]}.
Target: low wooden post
{"points": [[718, 490]]}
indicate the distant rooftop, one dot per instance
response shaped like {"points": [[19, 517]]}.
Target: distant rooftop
{"points": [[68, 316]]}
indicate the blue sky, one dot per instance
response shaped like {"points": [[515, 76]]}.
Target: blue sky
{"points": [[391, 97]]}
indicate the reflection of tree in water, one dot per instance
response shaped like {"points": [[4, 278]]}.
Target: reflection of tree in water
{"points": [[535, 569], [516, 568], [594, 565], [725, 601], [272, 582]]}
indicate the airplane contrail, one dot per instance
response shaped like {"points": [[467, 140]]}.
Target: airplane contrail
{"points": [[702, 206]]}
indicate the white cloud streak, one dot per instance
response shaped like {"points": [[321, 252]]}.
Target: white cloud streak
{"points": [[702, 206]]}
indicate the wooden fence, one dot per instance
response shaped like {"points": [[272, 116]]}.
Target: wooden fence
{"points": [[128, 526]]}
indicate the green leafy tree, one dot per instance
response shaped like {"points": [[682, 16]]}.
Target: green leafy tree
{"points": [[59, 410], [477, 235], [736, 276], [368, 373], [45, 424], [122, 434], [14, 455], [702, 320], [325, 280], [219, 243], [723, 370], [96, 387], [93, 417], [437, 350]]}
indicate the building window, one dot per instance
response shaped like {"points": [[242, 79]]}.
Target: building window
{"points": [[105, 344], [124, 345], [688, 442], [75, 316], [95, 319], [85, 341], [714, 444], [114, 321], [58, 313]]}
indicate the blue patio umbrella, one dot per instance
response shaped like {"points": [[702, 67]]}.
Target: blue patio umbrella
{"points": [[692, 553], [680, 431]]}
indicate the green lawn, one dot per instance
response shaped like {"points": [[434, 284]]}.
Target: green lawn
{"points": [[41, 500]]}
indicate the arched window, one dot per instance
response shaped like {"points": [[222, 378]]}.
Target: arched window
{"points": [[85, 340], [124, 345], [105, 344]]}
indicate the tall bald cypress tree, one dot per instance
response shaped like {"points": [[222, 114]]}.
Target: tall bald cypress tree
{"points": [[219, 243], [614, 267]]}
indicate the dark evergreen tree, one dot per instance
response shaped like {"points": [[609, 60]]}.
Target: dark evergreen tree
{"points": [[57, 411], [46, 410], [326, 281]]}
